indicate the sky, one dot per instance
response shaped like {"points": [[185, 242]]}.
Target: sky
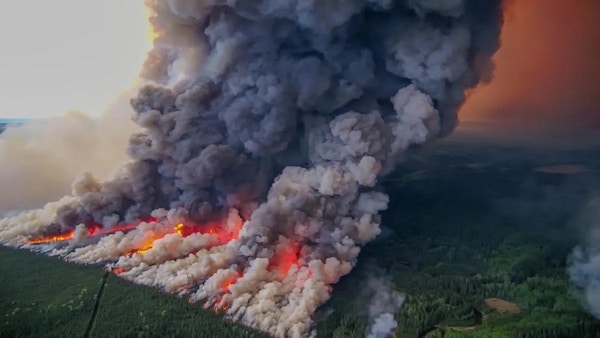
{"points": [[79, 54], [547, 69], [64, 55]]}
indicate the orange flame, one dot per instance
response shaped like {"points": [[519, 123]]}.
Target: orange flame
{"points": [[143, 250], [118, 271], [219, 305], [285, 257], [222, 229], [93, 231], [218, 228], [228, 285], [184, 230], [53, 238], [179, 229]]}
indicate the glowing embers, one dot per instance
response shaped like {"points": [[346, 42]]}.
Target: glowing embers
{"points": [[118, 270], [220, 306], [219, 303]]}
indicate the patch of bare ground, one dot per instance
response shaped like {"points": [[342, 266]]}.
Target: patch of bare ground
{"points": [[502, 306], [462, 328]]}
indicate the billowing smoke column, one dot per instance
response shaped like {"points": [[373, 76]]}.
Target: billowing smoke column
{"points": [[384, 303], [266, 125]]}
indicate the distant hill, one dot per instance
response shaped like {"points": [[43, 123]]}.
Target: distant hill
{"points": [[514, 135], [7, 122]]}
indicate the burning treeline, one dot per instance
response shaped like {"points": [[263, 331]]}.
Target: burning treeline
{"points": [[266, 126]]}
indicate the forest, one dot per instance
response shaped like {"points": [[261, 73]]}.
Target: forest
{"points": [[472, 223]]}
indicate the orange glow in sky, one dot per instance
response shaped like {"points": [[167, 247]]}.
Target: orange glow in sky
{"points": [[64, 55], [547, 69]]}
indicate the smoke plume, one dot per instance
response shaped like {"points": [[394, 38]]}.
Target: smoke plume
{"points": [[584, 262], [40, 159], [265, 128], [385, 302]]}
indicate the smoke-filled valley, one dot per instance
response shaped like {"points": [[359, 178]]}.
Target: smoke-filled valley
{"points": [[269, 138]]}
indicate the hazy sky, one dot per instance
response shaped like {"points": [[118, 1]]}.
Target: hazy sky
{"points": [[548, 68], [78, 54], [61, 55]]}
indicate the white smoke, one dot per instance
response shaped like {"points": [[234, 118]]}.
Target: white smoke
{"points": [[385, 302], [266, 126], [383, 327], [584, 262]]}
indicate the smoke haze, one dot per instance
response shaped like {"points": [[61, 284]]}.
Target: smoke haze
{"points": [[40, 159], [548, 68]]}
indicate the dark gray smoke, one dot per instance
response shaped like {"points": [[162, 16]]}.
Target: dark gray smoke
{"points": [[288, 111], [243, 89]]}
